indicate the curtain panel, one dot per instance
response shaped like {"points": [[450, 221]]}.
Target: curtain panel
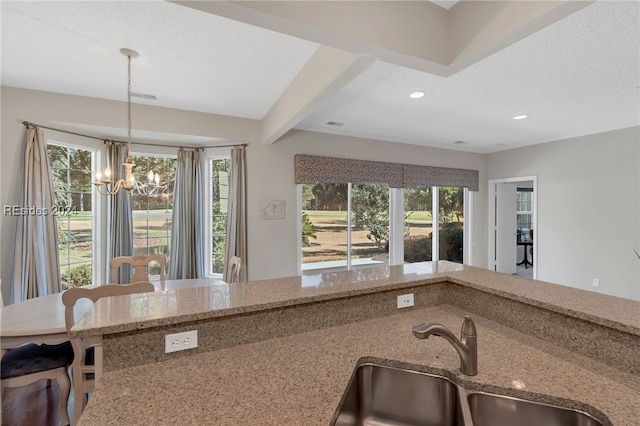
{"points": [[119, 215], [236, 235], [36, 270], [187, 254], [310, 169]]}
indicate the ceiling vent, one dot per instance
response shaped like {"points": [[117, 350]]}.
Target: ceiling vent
{"points": [[144, 96], [334, 123]]}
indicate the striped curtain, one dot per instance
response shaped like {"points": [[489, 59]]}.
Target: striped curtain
{"points": [[119, 215], [187, 248], [36, 269]]}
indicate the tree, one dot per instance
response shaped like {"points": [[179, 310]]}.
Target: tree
{"points": [[370, 209], [451, 203], [328, 196], [308, 230], [418, 199]]}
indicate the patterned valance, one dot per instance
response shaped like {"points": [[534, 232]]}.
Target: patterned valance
{"points": [[310, 169], [414, 176]]}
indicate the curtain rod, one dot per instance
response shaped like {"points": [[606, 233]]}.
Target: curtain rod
{"points": [[28, 124]]}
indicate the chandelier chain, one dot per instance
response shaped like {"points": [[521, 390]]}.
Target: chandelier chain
{"points": [[129, 107]]}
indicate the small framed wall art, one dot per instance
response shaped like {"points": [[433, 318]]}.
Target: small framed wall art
{"points": [[272, 209]]}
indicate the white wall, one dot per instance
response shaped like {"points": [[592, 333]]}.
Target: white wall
{"points": [[272, 243], [588, 208]]}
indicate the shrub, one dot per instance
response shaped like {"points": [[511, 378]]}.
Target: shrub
{"points": [[80, 275], [417, 248], [451, 235], [308, 230]]}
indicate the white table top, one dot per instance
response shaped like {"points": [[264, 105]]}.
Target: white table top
{"points": [[37, 316]]}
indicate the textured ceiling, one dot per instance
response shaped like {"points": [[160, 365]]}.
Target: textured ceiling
{"points": [[188, 59], [578, 76]]}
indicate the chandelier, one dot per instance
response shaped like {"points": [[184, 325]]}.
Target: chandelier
{"points": [[104, 182]]}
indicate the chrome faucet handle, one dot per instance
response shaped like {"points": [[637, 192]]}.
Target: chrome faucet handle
{"points": [[466, 347], [468, 328]]}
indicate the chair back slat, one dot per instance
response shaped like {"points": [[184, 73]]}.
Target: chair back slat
{"points": [[71, 296], [233, 269], [139, 263]]}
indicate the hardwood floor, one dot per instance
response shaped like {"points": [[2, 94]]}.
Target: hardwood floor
{"points": [[33, 405]]}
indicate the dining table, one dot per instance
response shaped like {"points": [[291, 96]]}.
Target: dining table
{"points": [[525, 260], [40, 320]]}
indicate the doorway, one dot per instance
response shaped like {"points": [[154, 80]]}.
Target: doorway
{"points": [[504, 230]]}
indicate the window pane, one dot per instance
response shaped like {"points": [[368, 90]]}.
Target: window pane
{"points": [[451, 227], [80, 159], [370, 223], [80, 180], [219, 181], [152, 208], [324, 232], [58, 157], [79, 203], [71, 175], [418, 224]]}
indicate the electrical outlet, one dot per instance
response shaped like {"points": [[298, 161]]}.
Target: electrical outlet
{"points": [[405, 300], [181, 341], [596, 282]]}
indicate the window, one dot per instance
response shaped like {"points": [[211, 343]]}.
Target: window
{"points": [[219, 184], [152, 212], [524, 212], [344, 225], [71, 173], [418, 224], [348, 225], [451, 224]]}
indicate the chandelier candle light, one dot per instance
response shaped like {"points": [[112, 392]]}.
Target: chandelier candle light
{"points": [[106, 185]]}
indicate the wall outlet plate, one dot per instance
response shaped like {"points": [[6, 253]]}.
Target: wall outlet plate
{"points": [[405, 301], [181, 341]]}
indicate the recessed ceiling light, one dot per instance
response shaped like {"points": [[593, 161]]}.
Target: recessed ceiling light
{"points": [[521, 117], [416, 95]]}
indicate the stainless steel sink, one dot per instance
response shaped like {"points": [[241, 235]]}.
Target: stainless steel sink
{"points": [[384, 396], [379, 395], [499, 410]]}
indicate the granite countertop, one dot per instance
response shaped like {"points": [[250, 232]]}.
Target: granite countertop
{"points": [[211, 299], [299, 379]]}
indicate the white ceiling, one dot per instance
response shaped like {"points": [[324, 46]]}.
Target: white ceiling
{"points": [[580, 75]]}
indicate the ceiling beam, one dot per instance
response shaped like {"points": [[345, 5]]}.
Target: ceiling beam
{"points": [[326, 72], [413, 34]]}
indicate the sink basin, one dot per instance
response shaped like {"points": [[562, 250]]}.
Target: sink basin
{"points": [[380, 395], [386, 396], [499, 410]]}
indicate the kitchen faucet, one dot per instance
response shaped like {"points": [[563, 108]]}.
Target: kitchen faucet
{"points": [[467, 346]]}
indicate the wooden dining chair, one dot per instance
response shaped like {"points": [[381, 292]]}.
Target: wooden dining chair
{"points": [[29, 363], [83, 367], [233, 269], [140, 264]]}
